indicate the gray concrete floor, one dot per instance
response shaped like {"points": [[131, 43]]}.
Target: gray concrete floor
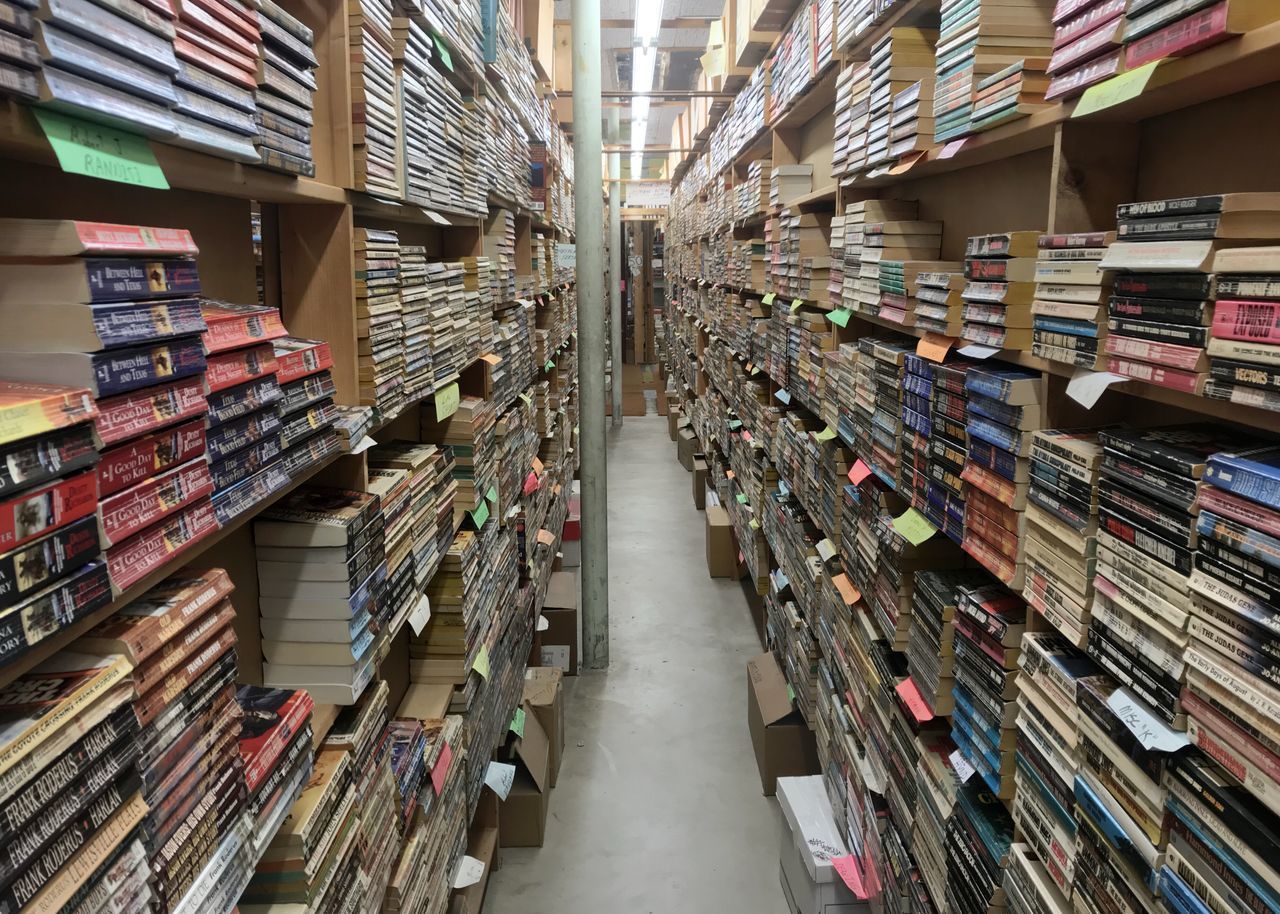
{"points": [[658, 807]]}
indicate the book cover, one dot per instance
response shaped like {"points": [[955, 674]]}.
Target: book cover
{"points": [[28, 568], [32, 461], [141, 458], [147, 502], [233, 326], [29, 408], [142, 411]]}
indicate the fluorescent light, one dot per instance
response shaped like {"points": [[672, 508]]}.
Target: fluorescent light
{"points": [[637, 165], [648, 20]]}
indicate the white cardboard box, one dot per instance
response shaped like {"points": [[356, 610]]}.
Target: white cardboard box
{"points": [[810, 840]]}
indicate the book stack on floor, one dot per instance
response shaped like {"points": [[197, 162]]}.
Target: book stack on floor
{"points": [[939, 304], [379, 324], [1086, 45], [246, 434], [1244, 354], [1004, 410], [1062, 526], [321, 570], [114, 323], [392, 486], [308, 415], [72, 793], [1008, 94], [1067, 314], [180, 642], [375, 118], [286, 88], [1171, 245], [948, 450], [276, 747], [51, 569], [902, 56], [1000, 271], [1224, 793]]}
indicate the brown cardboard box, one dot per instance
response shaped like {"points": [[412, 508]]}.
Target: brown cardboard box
{"points": [[673, 420], [544, 697], [700, 470], [783, 742], [560, 640], [522, 821], [686, 447], [722, 551]]}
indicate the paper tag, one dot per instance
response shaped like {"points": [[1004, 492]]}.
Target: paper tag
{"points": [[796, 303], [491, 358], [481, 663], [907, 163], [1116, 90], [421, 614], [848, 592], [826, 549], [1151, 732], [441, 769], [850, 875], [914, 526], [840, 317], [825, 435], [783, 397], [546, 537], [84, 148], [437, 218], [952, 148], [791, 693], [742, 499], [729, 474], [537, 466], [447, 400], [914, 701], [934, 347], [531, 483], [543, 623], [470, 871], [363, 445], [960, 765], [499, 777], [528, 400], [1086, 387], [517, 723], [769, 297], [978, 351], [550, 365], [492, 494], [753, 524], [480, 514], [443, 53], [859, 472]]}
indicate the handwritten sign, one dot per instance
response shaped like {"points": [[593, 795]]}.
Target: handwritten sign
{"points": [[481, 663], [517, 723], [1153, 733], [1115, 91], [914, 701], [914, 526], [447, 400], [499, 777], [850, 875], [421, 614], [960, 765], [859, 472], [441, 769], [480, 514], [934, 347], [840, 317], [83, 148], [470, 871], [848, 592], [1086, 387]]}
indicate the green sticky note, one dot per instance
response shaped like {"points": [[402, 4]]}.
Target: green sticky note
{"points": [[442, 51], [753, 524], [85, 148], [492, 494], [481, 664], [914, 527], [768, 299], [480, 514], [840, 317], [742, 499], [826, 434], [550, 365], [1116, 90], [528, 400], [796, 303], [791, 693], [517, 723], [447, 400]]}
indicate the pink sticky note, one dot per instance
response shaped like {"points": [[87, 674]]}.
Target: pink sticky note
{"points": [[859, 472], [850, 874], [952, 148], [441, 770], [531, 483], [914, 701]]}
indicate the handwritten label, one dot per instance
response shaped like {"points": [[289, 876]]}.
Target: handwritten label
{"points": [[934, 347], [531, 483], [480, 514], [492, 494], [447, 400], [840, 317], [1153, 733], [481, 663], [952, 148], [528, 401], [537, 466], [1115, 91], [363, 445], [783, 397], [826, 549], [859, 472], [550, 365], [978, 351], [742, 499], [825, 435], [960, 765], [906, 164], [421, 614], [753, 524], [492, 358], [914, 526], [441, 769], [1086, 387], [848, 592], [914, 701], [83, 148], [517, 723], [769, 297], [470, 871], [850, 875], [442, 51], [546, 537], [796, 303], [499, 777]]}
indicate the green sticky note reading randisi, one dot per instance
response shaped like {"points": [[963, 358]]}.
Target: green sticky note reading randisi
{"points": [[1115, 91], [447, 400], [84, 148], [517, 723], [442, 51]]}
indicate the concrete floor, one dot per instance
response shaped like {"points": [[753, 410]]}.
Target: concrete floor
{"points": [[658, 806]]}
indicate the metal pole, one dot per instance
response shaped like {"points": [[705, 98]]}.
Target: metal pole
{"points": [[615, 270], [589, 225]]}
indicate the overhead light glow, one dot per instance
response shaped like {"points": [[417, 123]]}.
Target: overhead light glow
{"points": [[648, 20], [644, 61]]}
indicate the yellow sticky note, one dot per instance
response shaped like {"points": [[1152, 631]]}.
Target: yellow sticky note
{"points": [[826, 434], [447, 400], [1115, 91], [796, 303], [481, 664], [914, 526]]}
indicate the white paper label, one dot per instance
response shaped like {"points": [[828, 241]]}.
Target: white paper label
{"points": [[421, 615], [556, 655], [363, 445], [1151, 732], [470, 871], [499, 777], [436, 217], [961, 766], [826, 549], [1085, 387], [978, 351], [543, 624]]}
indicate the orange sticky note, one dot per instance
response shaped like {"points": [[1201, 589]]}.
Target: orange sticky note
{"points": [[546, 537], [537, 466], [850, 875], [914, 701], [555, 490], [848, 592], [729, 474], [934, 347], [907, 164], [491, 358], [859, 472]]}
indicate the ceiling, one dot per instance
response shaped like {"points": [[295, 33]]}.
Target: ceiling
{"points": [[677, 66]]}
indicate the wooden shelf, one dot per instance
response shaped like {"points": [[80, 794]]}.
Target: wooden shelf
{"points": [[821, 195], [813, 100], [64, 636]]}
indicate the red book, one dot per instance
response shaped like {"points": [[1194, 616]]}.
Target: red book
{"points": [[227, 369], [1073, 82], [141, 411], [157, 545], [27, 515], [1188, 34], [192, 53], [129, 511], [296, 358], [143, 457], [72, 238], [272, 718], [1186, 381], [1169, 355], [1254, 321], [160, 664], [232, 326]]}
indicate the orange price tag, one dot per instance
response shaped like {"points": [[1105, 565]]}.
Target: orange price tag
{"points": [[491, 357], [848, 592], [934, 347], [546, 537]]}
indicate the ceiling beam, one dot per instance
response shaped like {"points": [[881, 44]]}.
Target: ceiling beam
{"points": [[648, 149], [652, 104], [657, 93], [683, 22]]}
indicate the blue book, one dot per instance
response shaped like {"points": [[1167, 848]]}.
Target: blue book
{"points": [[1066, 325], [1252, 474]]}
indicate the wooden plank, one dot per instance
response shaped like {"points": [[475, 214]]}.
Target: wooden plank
{"points": [[1095, 168]]}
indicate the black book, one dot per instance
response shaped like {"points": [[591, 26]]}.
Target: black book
{"points": [[1187, 312], [1228, 802], [1250, 374], [1183, 449], [32, 461], [1194, 287]]}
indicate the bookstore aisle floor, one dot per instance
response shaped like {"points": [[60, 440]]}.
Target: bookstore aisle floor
{"points": [[658, 806]]}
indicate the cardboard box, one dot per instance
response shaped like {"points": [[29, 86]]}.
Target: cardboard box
{"points": [[544, 697], [522, 821], [686, 447], [674, 415], [783, 743], [722, 551], [560, 640], [700, 470], [809, 841]]}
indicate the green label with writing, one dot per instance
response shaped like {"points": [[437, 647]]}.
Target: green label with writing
{"points": [[442, 51], [85, 148]]}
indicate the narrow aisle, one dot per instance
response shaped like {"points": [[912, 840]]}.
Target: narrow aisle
{"points": [[658, 806]]}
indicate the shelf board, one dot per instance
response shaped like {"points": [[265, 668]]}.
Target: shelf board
{"points": [[817, 97], [63, 637], [821, 195]]}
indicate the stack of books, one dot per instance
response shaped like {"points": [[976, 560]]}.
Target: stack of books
{"points": [[1000, 271], [1008, 94], [444, 651], [276, 748], [72, 703], [886, 420], [321, 570], [1070, 289], [903, 56], [470, 434], [353, 424], [1086, 45], [245, 403], [1154, 31], [222, 36], [415, 316], [1004, 410], [794, 63], [500, 247], [853, 118], [391, 485], [513, 372], [803, 258], [1062, 526], [22, 58], [308, 414], [128, 330], [900, 286], [936, 787], [286, 90], [939, 305], [375, 111], [480, 279], [407, 748], [917, 425], [930, 648], [862, 254], [51, 569], [786, 182], [835, 282], [1244, 353], [432, 489], [180, 642], [979, 834], [911, 129], [379, 324], [844, 135], [446, 310], [948, 450]]}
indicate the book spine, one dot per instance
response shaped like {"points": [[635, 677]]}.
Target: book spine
{"points": [[1249, 479], [1247, 320], [135, 558], [144, 504], [106, 238], [120, 371], [1180, 358], [1180, 37], [1247, 287], [239, 366], [133, 414], [131, 463], [28, 515], [238, 402], [1185, 381], [29, 568], [116, 279]]}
